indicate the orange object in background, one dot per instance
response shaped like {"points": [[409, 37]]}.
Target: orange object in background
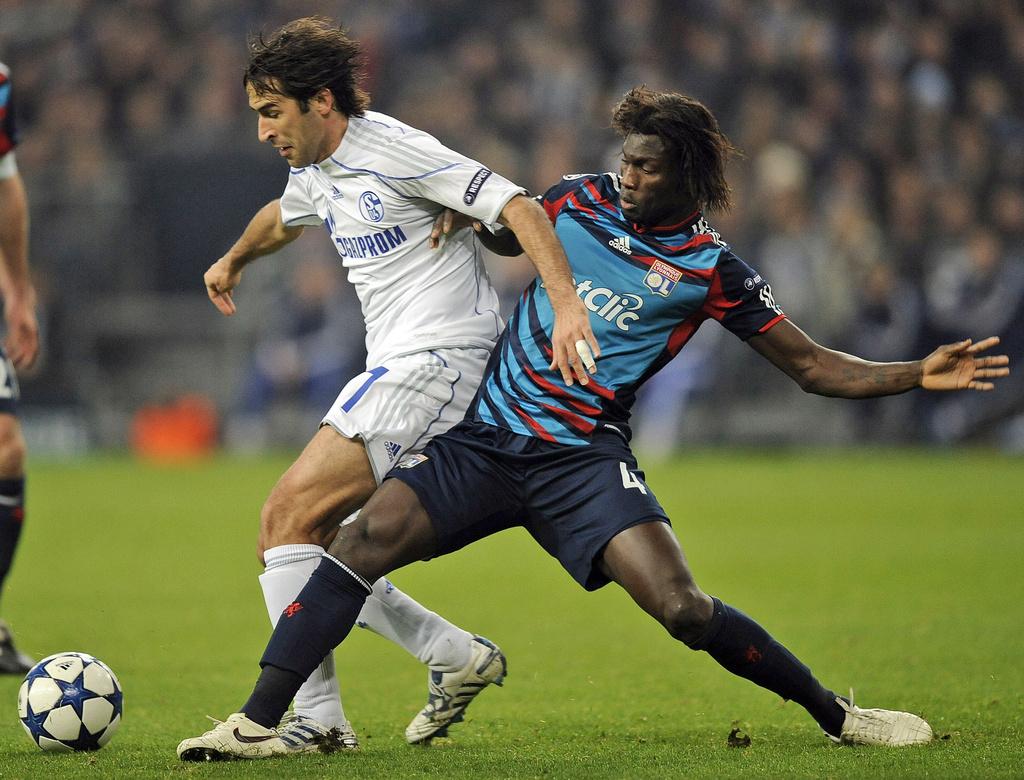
{"points": [[184, 429]]}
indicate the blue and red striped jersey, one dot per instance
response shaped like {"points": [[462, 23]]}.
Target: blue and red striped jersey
{"points": [[8, 132], [647, 289]]}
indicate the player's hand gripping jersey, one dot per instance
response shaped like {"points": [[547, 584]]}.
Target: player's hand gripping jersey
{"points": [[648, 291], [378, 195]]}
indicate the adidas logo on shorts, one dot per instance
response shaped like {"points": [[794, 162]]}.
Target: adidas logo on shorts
{"points": [[621, 243]]}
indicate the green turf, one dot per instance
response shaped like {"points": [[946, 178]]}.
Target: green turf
{"points": [[896, 573]]}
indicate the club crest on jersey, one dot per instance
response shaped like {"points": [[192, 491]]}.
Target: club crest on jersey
{"points": [[661, 278], [370, 206]]}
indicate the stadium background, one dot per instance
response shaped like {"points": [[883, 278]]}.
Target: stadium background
{"points": [[881, 192]]}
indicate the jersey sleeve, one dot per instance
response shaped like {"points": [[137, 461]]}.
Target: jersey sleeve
{"points": [[556, 196], [432, 171], [741, 299], [8, 128], [296, 207]]}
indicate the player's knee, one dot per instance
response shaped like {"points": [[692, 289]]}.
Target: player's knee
{"points": [[686, 614], [284, 521], [387, 534], [12, 448], [371, 536], [273, 521]]}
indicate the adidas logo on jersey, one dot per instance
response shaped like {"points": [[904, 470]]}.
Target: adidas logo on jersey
{"points": [[392, 449], [621, 243]]}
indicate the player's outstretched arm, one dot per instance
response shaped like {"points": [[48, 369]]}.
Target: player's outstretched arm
{"points": [[573, 343], [824, 371], [265, 234], [22, 342]]}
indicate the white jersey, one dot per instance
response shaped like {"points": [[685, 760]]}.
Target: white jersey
{"points": [[378, 195]]}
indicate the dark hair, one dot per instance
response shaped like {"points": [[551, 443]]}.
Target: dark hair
{"points": [[692, 135], [304, 57]]}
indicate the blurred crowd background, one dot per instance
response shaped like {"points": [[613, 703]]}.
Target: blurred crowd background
{"points": [[881, 191]]}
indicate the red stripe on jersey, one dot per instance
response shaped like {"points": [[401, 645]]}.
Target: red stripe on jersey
{"points": [[665, 228], [581, 425], [600, 200], [704, 274], [716, 305], [693, 243], [771, 323], [593, 386], [554, 207], [683, 332], [561, 393], [575, 201], [533, 425]]}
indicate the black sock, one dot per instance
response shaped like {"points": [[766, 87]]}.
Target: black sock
{"points": [[273, 686], [747, 650], [12, 515], [309, 628]]}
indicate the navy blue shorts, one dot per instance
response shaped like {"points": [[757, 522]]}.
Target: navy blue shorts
{"points": [[8, 386], [478, 479]]}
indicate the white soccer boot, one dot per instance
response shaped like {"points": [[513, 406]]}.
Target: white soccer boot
{"points": [[450, 693], [881, 727], [236, 737], [303, 734]]}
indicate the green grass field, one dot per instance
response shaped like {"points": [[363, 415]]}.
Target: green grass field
{"points": [[897, 573]]}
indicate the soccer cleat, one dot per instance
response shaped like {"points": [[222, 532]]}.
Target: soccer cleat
{"points": [[236, 737], [450, 693], [881, 727], [303, 734], [11, 660]]}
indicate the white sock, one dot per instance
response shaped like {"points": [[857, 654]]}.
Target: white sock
{"points": [[289, 566], [442, 646]]}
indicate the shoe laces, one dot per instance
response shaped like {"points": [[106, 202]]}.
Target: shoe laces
{"points": [[217, 723], [847, 704]]}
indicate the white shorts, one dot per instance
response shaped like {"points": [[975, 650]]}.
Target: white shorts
{"points": [[396, 408]]}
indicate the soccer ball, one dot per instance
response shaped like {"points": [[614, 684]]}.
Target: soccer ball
{"points": [[70, 701]]}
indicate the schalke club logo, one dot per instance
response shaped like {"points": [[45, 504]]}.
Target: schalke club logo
{"points": [[371, 207]]}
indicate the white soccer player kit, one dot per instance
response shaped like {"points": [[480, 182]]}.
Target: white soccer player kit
{"points": [[431, 320], [379, 195]]}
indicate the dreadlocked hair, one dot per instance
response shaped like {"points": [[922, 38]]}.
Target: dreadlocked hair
{"points": [[692, 135]]}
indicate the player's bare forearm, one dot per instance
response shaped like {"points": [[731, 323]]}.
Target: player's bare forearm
{"points": [[573, 344], [14, 276], [824, 371], [533, 232], [264, 235], [22, 339], [840, 375]]}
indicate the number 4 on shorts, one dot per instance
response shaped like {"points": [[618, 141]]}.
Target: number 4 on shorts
{"points": [[629, 479]]}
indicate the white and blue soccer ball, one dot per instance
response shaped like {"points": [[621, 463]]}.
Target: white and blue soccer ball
{"points": [[70, 701]]}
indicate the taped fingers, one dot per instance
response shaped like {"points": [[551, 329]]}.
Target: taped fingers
{"points": [[583, 350]]}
